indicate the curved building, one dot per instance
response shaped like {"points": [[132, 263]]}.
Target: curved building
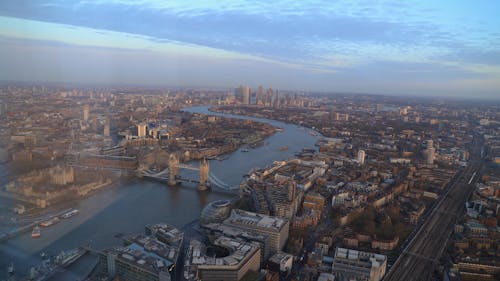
{"points": [[215, 212], [226, 259]]}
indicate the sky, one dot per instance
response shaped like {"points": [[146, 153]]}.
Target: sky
{"points": [[424, 48]]}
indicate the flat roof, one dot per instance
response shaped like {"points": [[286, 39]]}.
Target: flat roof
{"points": [[240, 217]]}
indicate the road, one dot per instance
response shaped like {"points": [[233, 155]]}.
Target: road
{"points": [[418, 259]]}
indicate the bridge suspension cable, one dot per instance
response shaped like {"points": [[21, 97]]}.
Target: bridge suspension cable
{"points": [[219, 183]]}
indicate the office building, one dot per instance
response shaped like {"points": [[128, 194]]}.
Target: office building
{"points": [[141, 130], [429, 152], [216, 230], [227, 259], [106, 131], [281, 262], [150, 257], [361, 157], [86, 112], [274, 227], [246, 94]]}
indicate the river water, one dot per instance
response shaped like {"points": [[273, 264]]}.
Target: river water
{"points": [[127, 207]]}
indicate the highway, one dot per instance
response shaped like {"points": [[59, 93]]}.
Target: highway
{"points": [[421, 255]]}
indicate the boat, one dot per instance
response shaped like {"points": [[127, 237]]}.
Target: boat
{"points": [[50, 222], [257, 144], [70, 214], [279, 129], [222, 158], [10, 269], [36, 232], [283, 148], [66, 258], [244, 150]]}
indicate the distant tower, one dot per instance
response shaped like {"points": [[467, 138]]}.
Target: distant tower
{"points": [[141, 130], [430, 155], [260, 95], [361, 157], [106, 129], [204, 171], [86, 112], [429, 143], [429, 152], [246, 95], [173, 168]]}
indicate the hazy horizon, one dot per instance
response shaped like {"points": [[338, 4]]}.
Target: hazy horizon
{"points": [[420, 48]]}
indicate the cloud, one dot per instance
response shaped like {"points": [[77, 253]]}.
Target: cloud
{"points": [[272, 29], [332, 43]]}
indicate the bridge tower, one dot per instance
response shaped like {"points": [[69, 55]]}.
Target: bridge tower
{"points": [[173, 168], [204, 171]]}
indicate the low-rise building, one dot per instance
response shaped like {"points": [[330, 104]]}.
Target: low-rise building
{"points": [[357, 265]]}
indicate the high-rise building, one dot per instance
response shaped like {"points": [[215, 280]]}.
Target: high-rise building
{"points": [[246, 95], [357, 265], [106, 130], [429, 152], [86, 112], [430, 155], [141, 130], [361, 157], [259, 96]]}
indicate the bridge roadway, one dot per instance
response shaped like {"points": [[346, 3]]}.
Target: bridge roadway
{"points": [[214, 180], [418, 259]]}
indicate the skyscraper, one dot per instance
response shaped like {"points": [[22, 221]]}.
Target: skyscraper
{"points": [[361, 157], [429, 152], [246, 95], [106, 128], [86, 112], [259, 95], [141, 130]]}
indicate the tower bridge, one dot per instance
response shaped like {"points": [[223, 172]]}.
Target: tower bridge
{"points": [[206, 178]]}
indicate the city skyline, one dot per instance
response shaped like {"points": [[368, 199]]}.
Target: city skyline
{"points": [[413, 48]]}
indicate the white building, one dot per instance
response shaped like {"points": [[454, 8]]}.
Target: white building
{"points": [[361, 157]]}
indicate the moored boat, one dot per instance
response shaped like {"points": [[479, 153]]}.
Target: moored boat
{"points": [[70, 214], [50, 222], [36, 232]]}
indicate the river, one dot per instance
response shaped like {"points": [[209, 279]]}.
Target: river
{"points": [[127, 207]]}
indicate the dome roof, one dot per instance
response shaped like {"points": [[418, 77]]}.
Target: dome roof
{"points": [[215, 212]]}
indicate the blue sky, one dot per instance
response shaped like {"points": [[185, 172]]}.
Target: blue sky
{"points": [[428, 48]]}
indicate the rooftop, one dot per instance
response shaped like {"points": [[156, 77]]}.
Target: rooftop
{"points": [[241, 217], [365, 258]]}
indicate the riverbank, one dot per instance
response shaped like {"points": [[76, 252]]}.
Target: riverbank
{"points": [[247, 111], [38, 215], [129, 205]]}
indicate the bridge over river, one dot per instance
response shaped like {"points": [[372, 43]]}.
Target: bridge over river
{"points": [[206, 178]]}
